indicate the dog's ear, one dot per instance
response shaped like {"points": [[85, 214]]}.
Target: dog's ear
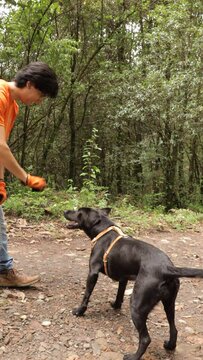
{"points": [[106, 211]]}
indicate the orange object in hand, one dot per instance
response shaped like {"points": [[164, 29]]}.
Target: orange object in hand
{"points": [[3, 195], [35, 182]]}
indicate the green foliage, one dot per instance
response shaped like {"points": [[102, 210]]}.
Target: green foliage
{"points": [[38, 205], [91, 192], [183, 218], [153, 201], [28, 204], [90, 157], [132, 71], [35, 206]]}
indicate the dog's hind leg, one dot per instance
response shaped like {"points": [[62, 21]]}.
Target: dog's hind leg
{"points": [[169, 307], [143, 299], [120, 294]]}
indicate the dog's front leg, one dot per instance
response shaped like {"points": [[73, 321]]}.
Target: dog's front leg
{"points": [[90, 284], [120, 294]]}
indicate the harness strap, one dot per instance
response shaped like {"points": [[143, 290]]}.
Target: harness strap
{"points": [[121, 234], [105, 231], [105, 260]]}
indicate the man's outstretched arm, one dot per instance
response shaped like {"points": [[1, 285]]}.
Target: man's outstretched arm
{"points": [[8, 161]]}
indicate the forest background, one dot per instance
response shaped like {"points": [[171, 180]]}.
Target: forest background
{"points": [[127, 122]]}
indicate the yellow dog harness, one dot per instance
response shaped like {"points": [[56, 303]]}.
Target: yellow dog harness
{"points": [[120, 235]]}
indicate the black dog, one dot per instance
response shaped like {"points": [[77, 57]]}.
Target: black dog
{"points": [[129, 259]]}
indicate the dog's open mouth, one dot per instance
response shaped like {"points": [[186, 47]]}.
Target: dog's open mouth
{"points": [[72, 219], [72, 225]]}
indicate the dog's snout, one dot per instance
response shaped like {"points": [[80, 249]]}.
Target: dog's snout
{"points": [[68, 215]]}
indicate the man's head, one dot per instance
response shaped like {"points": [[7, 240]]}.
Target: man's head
{"points": [[36, 81]]}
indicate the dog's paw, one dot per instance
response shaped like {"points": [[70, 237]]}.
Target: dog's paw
{"points": [[169, 345], [115, 305], [79, 311]]}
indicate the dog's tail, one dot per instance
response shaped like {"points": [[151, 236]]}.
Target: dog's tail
{"points": [[178, 272]]}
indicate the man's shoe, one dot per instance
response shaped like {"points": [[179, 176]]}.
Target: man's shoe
{"points": [[11, 278]]}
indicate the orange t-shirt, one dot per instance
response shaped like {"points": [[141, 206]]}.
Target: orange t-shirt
{"points": [[8, 108]]}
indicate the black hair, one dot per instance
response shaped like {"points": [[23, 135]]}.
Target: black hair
{"points": [[42, 77]]}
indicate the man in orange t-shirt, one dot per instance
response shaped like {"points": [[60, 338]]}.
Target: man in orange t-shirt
{"points": [[30, 86]]}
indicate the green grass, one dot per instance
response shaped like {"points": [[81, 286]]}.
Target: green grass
{"points": [[35, 206]]}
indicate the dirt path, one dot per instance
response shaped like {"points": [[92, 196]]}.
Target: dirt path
{"points": [[37, 323]]}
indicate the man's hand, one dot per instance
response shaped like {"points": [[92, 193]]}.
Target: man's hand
{"points": [[35, 182], [3, 195]]}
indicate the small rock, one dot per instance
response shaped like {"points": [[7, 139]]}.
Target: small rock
{"points": [[129, 292], [41, 349], [62, 310], [189, 330], [96, 349], [41, 297], [46, 323], [99, 334], [164, 241], [29, 337], [7, 340], [102, 344], [119, 330], [2, 349]]}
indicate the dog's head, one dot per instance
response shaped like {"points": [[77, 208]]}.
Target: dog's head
{"points": [[85, 218]]}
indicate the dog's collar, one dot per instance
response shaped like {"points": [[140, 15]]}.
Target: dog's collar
{"points": [[113, 227]]}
